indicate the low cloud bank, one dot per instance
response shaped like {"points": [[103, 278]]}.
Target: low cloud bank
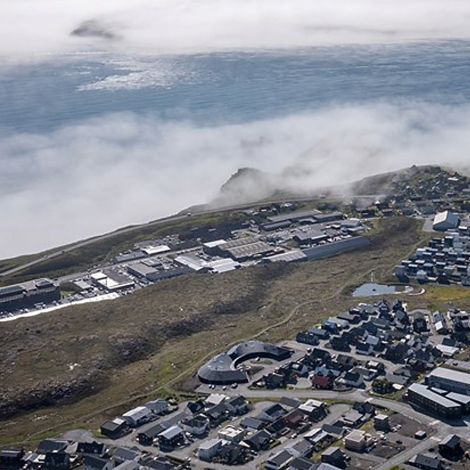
{"points": [[31, 27], [120, 169]]}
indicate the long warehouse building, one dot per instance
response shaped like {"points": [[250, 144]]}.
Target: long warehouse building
{"points": [[451, 380]]}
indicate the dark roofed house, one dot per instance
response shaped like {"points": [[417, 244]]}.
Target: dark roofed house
{"points": [[114, 429], [272, 412], [52, 445], [121, 454], [252, 423], [302, 463], [320, 382], [11, 459], [56, 461], [337, 430], [306, 337], [321, 333], [450, 444], [364, 348], [94, 447], [156, 463], [233, 454], [259, 441], [274, 380], [237, 405], [294, 417], [334, 456], [279, 460], [396, 352], [364, 407], [92, 462], [146, 438], [352, 379], [426, 462], [277, 428], [196, 406], [317, 356], [340, 344], [217, 414]]}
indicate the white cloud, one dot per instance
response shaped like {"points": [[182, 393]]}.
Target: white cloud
{"points": [[179, 26], [116, 170]]}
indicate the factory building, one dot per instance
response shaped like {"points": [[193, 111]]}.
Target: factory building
{"points": [[331, 249], [28, 294], [445, 221], [111, 280], [240, 249]]}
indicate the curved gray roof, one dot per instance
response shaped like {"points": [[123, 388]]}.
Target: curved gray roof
{"points": [[222, 368]]}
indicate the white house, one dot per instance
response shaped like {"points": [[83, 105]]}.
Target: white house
{"points": [[137, 416], [209, 449]]}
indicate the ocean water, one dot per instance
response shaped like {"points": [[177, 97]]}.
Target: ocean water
{"points": [[230, 87]]}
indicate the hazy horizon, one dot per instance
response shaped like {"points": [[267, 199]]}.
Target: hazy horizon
{"points": [[164, 100]]}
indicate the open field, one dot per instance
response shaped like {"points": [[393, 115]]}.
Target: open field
{"points": [[79, 365]]}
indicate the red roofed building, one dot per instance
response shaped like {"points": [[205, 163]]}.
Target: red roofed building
{"points": [[318, 381]]}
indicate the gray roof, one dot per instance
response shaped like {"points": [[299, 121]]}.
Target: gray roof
{"points": [[170, 433], [430, 395], [451, 440], [125, 453], [222, 368], [425, 460], [281, 458], [450, 374], [95, 462]]}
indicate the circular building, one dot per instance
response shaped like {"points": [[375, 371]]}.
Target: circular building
{"points": [[223, 368]]}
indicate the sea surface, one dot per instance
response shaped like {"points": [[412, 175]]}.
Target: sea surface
{"points": [[230, 87]]}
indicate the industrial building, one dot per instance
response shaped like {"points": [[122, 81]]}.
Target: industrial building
{"points": [[451, 380], [28, 294], [111, 280], [333, 248], [288, 256], [445, 221], [423, 397]]}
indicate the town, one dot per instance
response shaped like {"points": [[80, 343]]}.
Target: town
{"points": [[378, 386], [328, 400]]}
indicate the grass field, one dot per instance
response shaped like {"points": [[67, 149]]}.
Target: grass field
{"points": [[77, 366]]}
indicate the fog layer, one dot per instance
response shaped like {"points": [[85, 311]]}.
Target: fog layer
{"points": [[121, 169], [32, 27]]}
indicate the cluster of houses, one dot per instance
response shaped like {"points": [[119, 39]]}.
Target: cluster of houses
{"points": [[295, 455], [444, 260], [429, 191], [135, 418], [451, 449], [53, 454], [384, 331], [260, 432]]}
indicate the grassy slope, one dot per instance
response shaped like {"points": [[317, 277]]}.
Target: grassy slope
{"points": [[150, 342]]}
